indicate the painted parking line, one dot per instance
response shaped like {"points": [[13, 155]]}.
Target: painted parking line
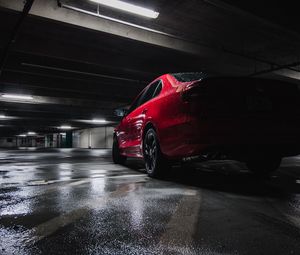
{"points": [[292, 215], [68, 181], [182, 225], [53, 225], [54, 186], [47, 228]]}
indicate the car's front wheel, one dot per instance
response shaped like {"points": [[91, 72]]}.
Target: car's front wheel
{"points": [[116, 155], [155, 163]]}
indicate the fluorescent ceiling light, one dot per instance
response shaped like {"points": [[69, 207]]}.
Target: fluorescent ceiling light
{"points": [[114, 20], [31, 133], [99, 121], [2, 116], [128, 8], [65, 127], [18, 97], [22, 135]]}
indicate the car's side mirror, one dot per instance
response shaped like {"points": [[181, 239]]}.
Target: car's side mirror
{"points": [[121, 112]]}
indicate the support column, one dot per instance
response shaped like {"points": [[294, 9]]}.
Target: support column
{"points": [[69, 139]]}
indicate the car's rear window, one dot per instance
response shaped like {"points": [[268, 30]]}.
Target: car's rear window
{"points": [[187, 77]]}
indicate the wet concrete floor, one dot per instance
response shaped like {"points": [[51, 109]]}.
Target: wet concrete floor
{"points": [[71, 201]]}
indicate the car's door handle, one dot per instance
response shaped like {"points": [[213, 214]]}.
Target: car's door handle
{"points": [[144, 111]]}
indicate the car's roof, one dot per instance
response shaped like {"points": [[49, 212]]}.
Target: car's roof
{"points": [[195, 76], [191, 76]]}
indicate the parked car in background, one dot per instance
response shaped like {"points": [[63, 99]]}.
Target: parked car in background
{"points": [[185, 116]]}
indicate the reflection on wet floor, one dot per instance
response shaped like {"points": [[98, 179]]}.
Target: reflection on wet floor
{"points": [[77, 202]]}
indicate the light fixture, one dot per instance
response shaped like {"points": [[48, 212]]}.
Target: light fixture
{"points": [[31, 133], [22, 135], [99, 121], [17, 97], [131, 8], [2, 117], [65, 127], [97, 14]]}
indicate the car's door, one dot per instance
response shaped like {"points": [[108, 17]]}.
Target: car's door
{"points": [[124, 130], [137, 118]]}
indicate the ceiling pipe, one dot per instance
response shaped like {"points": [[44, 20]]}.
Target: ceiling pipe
{"points": [[13, 37], [263, 61], [277, 68]]}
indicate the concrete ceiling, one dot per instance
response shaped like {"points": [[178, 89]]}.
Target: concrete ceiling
{"points": [[80, 66]]}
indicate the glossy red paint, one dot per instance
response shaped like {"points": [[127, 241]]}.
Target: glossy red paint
{"points": [[192, 117], [165, 112]]}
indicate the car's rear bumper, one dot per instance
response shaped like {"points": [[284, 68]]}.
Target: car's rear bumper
{"points": [[235, 150]]}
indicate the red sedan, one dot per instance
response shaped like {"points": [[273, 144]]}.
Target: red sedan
{"points": [[188, 116]]}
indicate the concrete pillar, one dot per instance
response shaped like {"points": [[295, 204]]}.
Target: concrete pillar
{"points": [[69, 139]]}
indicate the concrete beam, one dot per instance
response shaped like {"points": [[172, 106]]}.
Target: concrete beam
{"points": [[49, 9], [234, 62], [288, 73]]}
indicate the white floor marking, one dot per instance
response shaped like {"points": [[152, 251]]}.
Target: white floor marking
{"points": [[182, 225], [49, 227], [68, 181]]}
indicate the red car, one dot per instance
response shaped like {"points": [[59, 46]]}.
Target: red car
{"points": [[187, 116]]}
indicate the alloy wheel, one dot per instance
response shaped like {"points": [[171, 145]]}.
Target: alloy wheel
{"points": [[150, 152]]}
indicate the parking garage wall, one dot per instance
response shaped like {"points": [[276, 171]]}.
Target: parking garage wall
{"points": [[8, 142], [93, 138], [16, 142]]}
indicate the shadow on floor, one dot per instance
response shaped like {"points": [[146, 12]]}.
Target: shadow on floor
{"points": [[232, 177]]}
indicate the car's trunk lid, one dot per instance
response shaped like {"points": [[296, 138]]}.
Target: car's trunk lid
{"points": [[244, 97]]}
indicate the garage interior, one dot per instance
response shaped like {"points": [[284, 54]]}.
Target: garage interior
{"points": [[66, 65]]}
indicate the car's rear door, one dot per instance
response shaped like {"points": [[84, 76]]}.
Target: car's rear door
{"points": [[137, 119]]}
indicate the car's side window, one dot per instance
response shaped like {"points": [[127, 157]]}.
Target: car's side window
{"points": [[136, 103], [157, 90], [150, 92]]}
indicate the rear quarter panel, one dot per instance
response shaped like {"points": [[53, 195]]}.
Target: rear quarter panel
{"points": [[171, 121]]}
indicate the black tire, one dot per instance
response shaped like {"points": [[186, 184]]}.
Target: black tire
{"points": [[116, 156], [264, 166], [155, 163]]}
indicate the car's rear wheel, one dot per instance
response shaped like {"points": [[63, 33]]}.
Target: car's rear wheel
{"points": [[264, 165], [116, 155], [155, 163]]}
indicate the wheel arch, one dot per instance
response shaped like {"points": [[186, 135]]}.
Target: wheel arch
{"points": [[149, 125]]}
